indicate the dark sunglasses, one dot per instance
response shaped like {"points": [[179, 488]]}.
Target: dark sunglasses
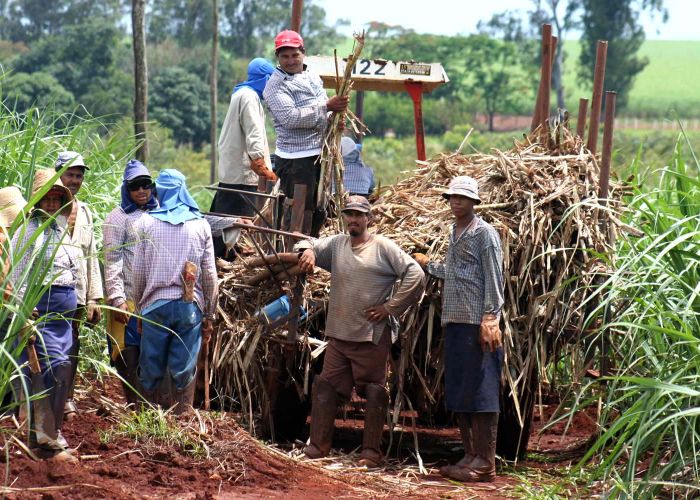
{"points": [[137, 184]]}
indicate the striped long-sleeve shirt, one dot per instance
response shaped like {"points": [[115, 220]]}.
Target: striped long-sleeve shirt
{"points": [[160, 257], [119, 241], [473, 274], [297, 104]]}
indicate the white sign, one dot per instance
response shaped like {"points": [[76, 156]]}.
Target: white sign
{"points": [[380, 74]]}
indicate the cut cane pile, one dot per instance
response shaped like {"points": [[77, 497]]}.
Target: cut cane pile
{"points": [[542, 200]]}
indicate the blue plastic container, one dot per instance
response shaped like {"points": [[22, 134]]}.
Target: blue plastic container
{"points": [[278, 309]]}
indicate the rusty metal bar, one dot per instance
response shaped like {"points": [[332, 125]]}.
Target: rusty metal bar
{"points": [[241, 191], [297, 8], [546, 73], [604, 184], [536, 116], [554, 49], [581, 118], [598, 83], [260, 229]]}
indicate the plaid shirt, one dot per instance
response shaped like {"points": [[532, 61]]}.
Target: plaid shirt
{"points": [[119, 241], [298, 106], [160, 257], [473, 274], [58, 260], [358, 178]]}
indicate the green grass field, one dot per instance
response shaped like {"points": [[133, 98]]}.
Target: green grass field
{"points": [[667, 85]]}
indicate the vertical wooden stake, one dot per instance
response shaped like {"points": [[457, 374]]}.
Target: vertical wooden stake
{"points": [[581, 118], [606, 156], [598, 83], [545, 62]]}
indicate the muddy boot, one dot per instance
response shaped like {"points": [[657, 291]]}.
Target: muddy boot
{"points": [[375, 416], [323, 407], [483, 467], [166, 392], [184, 397], [58, 380], [71, 409], [127, 364], [464, 421]]}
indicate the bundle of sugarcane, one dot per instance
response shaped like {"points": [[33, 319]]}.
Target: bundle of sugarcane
{"points": [[331, 157], [543, 202]]}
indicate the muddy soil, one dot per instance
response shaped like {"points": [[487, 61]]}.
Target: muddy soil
{"points": [[241, 467]]}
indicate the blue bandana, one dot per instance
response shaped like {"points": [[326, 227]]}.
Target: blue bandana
{"points": [[176, 204], [133, 170], [259, 71]]}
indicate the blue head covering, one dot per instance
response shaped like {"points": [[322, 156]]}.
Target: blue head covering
{"points": [[176, 204], [133, 170], [259, 71]]}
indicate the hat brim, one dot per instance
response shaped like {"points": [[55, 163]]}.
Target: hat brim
{"points": [[356, 209], [448, 193]]}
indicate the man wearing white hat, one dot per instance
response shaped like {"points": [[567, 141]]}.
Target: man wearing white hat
{"points": [[81, 232], [472, 299]]}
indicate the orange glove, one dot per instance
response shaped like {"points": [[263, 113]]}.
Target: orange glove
{"points": [[258, 166], [422, 259]]}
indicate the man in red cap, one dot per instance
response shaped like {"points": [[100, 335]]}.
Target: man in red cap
{"points": [[299, 107]]}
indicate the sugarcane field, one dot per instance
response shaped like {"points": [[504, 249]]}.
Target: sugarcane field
{"points": [[311, 249]]}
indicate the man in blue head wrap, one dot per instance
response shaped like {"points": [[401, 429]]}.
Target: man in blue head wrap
{"points": [[244, 154], [119, 241], [175, 289]]}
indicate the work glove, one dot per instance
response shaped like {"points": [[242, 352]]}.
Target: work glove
{"points": [[258, 166], [422, 259], [490, 333], [93, 313]]}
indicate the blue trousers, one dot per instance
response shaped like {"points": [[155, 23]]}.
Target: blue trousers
{"points": [[170, 341]]}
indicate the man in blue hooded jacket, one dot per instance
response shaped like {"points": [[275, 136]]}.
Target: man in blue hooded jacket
{"points": [[244, 154], [119, 241], [174, 288]]}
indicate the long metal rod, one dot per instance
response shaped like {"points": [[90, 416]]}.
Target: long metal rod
{"points": [[546, 73], [598, 84], [241, 191], [259, 228], [606, 156], [581, 118]]}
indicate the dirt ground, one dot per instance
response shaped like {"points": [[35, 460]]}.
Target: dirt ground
{"points": [[238, 466]]}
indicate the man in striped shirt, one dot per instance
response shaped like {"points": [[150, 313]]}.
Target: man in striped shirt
{"points": [[174, 326], [299, 108], [364, 270]]}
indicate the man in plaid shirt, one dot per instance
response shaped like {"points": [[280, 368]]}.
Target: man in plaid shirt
{"points": [[299, 108], [173, 326], [472, 299]]}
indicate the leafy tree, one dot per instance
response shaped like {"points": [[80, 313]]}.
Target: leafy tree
{"points": [[78, 57], [495, 75], [180, 101], [616, 21], [29, 20], [22, 91]]}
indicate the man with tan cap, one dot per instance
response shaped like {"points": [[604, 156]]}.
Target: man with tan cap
{"points": [[81, 233], [299, 107], [364, 268], [472, 299]]}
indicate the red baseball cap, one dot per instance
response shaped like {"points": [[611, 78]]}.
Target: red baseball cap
{"points": [[288, 38]]}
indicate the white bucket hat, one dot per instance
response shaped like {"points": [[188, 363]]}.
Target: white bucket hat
{"points": [[11, 205], [463, 186]]}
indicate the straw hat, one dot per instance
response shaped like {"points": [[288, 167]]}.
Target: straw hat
{"points": [[11, 204], [44, 176]]}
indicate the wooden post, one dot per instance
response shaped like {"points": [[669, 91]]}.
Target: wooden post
{"points": [[545, 82], [598, 83], [138, 30], [214, 91], [297, 7], [581, 118], [604, 183]]}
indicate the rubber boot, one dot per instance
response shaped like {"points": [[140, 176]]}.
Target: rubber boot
{"points": [[71, 409], [483, 467], [464, 421], [127, 364], [184, 397], [375, 416], [59, 377], [323, 408]]}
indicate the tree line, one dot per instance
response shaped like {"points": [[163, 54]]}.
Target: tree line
{"points": [[78, 55]]}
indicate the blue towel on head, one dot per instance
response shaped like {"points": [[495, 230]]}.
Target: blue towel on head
{"points": [[176, 203], [133, 170], [259, 71]]}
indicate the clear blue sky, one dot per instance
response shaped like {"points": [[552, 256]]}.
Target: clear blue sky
{"points": [[450, 17]]}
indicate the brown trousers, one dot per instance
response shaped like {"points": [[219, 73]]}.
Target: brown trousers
{"points": [[357, 364]]}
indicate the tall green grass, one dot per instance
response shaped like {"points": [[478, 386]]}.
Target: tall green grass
{"points": [[649, 442]]}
